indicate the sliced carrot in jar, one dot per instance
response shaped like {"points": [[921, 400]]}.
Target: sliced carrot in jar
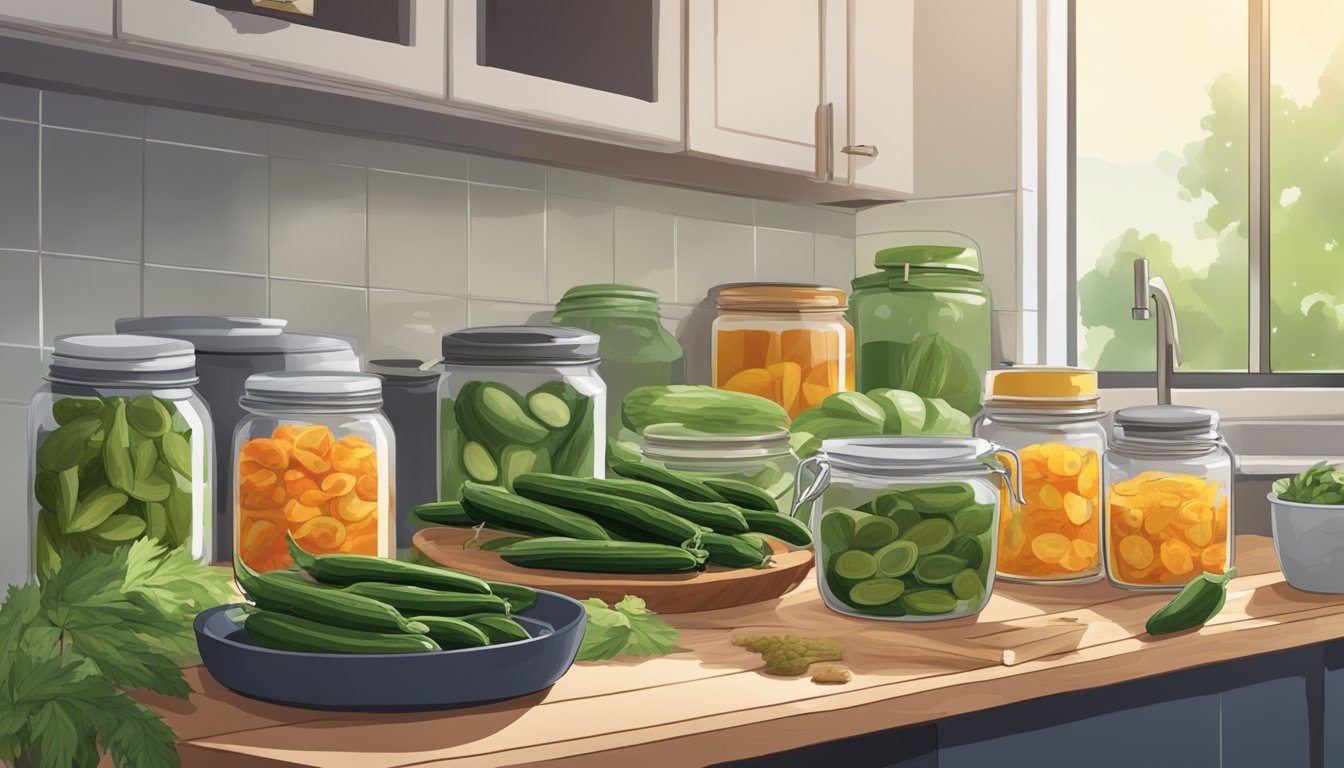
{"points": [[268, 453], [313, 498], [259, 535], [353, 510], [267, 498], [1176, 557], [298, 512], [312, 462], [321, 532], [247, 467], [316, 439], [366, 487], [786, 380], [338, 484]]}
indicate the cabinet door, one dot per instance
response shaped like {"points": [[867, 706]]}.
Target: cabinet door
{"points": [[79, 15], [318, 56], [881, 107], [756, 75]]}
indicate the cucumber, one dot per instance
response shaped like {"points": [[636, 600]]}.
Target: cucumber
{"points": [[520, 598], [939, 569], [574, 453], [743, 494], [516, 460], [724, 518], [781, 526], [939, 499], [499, 629], [649, 522], [897, 558], [478, 463], [549, 409], [874, 592], [837, 528], [968, 548], [854, 564], [930, 535], [967, 585], [443, 513], [291, 633], [349, 569], [600, 556], [288, 592], [506, 511], [974, 519], [495, 415], [429, 602], [929, 601], [683, 485], [453, 633], [873, 532], [734, 551]]}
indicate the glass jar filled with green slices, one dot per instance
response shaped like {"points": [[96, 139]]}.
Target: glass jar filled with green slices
{"points": [[904, 527], [519, 399], [121, 448]]}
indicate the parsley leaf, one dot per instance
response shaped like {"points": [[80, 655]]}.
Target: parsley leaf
{"points": [[629, 629]]}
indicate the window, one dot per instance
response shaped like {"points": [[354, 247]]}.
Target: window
{"points": [[1172, 104]]}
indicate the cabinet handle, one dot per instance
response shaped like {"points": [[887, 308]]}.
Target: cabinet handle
{"points": [[301, 7], [824, 129], [862, 150]]}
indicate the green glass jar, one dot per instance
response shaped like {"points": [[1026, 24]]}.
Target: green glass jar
{"points": [[636, 349], [922, 323]]}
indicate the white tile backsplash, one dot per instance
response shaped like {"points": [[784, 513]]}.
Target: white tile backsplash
{"points": [[506, 173], [579, 236], [14, 542], [20, 373], [710, 253], [318, 216], [785, 256], [403, 324], [202, 130], [92, 114], [205, 208], [417, 233], [175, 291], [18, 103], [20, 296], [86, 295], [646, 248], [413, 158], [18, 180], [92, 194], [833, 260], [338, 310], [506, 258], [685, 202]]}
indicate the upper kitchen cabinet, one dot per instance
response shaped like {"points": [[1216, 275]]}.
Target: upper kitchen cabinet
{"points": [[383, 46], [83, 16], [821, 88], [605, 69]]}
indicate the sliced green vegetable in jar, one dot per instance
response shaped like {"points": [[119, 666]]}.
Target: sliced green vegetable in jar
{"points": [[968, 548], [939, 569], [148, 416], [480, 465], [94, 510], [930, 535], [837, 528], [943, 499], [518, 460], [967, 586], [549, 409], [873, 532], [66, 446], [176, 450], [119, 529], [896, 559], [854, 565], [117, 451], [67, 409], [974, 519], [929, 602], [876, 592]]}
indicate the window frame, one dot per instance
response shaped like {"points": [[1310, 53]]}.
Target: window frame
{"points": [[1260, 373]]}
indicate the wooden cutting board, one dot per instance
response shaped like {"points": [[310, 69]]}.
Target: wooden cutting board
{"points": [[708, 590]]}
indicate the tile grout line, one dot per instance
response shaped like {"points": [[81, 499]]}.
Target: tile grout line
{"points": [[41, 303]]}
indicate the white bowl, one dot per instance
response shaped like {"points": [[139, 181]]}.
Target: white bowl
{"points": [[1309, 539]]}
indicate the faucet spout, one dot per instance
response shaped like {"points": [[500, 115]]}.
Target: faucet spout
{"points": [[1141, 294], [1149, 291]]}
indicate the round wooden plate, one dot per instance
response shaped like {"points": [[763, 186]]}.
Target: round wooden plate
{"points": [[663, 592]]}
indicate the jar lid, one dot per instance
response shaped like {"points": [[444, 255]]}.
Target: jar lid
{"points": [[955, 257], [520, 345], [779, 297], [609, 291], [909, 455], [129, 359], [402, 370], [1035, 385], [234, 335], [300, 390], [1173, 422], [676, 441]]}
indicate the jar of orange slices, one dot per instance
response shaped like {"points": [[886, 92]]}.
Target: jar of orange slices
{"points": [[1050, 417], [314, 460], [783, 341], [1168, 497]]}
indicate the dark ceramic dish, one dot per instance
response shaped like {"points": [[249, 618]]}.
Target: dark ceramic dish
{"points": [[401, 681]]}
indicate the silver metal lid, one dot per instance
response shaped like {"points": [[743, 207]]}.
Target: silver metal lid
{"points": [[122, 359], [676, 442], [337, 392], [234, 335], [1173, 421], [520, 345], [910, 455]]}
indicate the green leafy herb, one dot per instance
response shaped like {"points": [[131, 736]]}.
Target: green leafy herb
{"points": [[1322, 484], [101, 622], [626, 629]]}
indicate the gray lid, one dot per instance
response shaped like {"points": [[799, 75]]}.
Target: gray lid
{"points": [[297, 390], [910, 455], [234, 335], [520, 345], [402, 370], [1174, 421], [129, 359]]}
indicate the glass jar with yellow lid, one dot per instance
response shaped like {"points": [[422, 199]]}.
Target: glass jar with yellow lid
{"points": [[787, 342], [1050, 417]]}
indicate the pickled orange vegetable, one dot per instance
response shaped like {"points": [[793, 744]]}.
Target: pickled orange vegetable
{"points": [[797, 368], [1166, 529], [1057, 534], [303, 481]]}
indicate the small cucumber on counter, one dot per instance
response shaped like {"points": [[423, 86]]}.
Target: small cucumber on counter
{"points": [[601, 556], [724, 518], [291, 593], [349, 569], [781, 526], [505, 511], [444, 513], [743, 494], [429, 602], [452, 633], [292, 633], [683, 485], [520, 598], [734, 551], [629, 515], [499, 629], [1198, 602]]}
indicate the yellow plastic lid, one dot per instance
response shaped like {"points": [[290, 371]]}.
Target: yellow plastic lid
{"points": [[1042, 383], [779, 297]]}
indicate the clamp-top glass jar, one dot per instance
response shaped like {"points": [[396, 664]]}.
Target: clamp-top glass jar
{"points": [[1050, 417], [786, 342], [516, 399], [904, 527], [763, 460], [121, 448], [1168, 497], [315, 459]]}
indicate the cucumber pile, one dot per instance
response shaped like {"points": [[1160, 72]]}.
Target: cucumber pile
{"points": [[925, 551], [491, 434], [368, 605], [650, 520]]}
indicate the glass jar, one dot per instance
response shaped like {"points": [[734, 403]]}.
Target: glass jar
{"points": [[786, 342], [1168, 480], [1050, 417], [315, 459], [516, 399], [410, 397], [120, 448], [904, 527], [763, 460], [922, 323], [636, 350]]}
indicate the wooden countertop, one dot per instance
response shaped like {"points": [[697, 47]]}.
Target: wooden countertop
{"points": [[713, 702]]}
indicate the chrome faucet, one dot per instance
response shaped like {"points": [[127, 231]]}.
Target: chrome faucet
{"points": [[1149, 291]]}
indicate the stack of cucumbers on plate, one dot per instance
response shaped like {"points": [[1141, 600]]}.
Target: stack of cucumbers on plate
{"points": [[648, 520], [361, 604]]}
